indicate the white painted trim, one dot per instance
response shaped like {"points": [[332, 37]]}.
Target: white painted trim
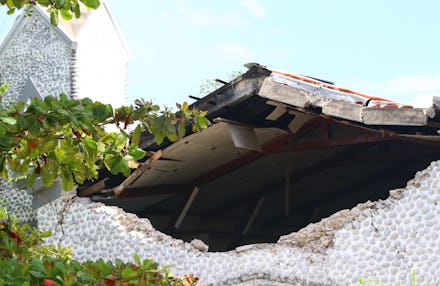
{"points": [[118, 30]]}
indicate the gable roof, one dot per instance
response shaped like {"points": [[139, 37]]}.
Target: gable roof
{"points": [[30, 90], [66, 30], [74, 26], [19, 23]]}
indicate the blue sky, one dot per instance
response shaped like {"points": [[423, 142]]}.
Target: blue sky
{"points": [[385, 48]]}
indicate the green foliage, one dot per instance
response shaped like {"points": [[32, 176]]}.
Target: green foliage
{"points": [[3, 88], [64, 8], [25, 261], [65, 138]]}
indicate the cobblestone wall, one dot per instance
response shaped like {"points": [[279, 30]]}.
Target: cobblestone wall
{"points": [[385, 239], [37, 51]]}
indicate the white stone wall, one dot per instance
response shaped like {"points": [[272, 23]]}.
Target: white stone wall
{"points": [[384, 239], [35, 50], [96, 66], [17, 201], [38, 51]]}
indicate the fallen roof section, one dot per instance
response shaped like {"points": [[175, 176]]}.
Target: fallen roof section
{"points": [[283, 151]]}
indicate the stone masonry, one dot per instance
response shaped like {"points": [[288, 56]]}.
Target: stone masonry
{"points": [[384, 239]]}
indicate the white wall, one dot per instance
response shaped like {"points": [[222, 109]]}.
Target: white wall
{"points": [[101, 67], [384, 239]]}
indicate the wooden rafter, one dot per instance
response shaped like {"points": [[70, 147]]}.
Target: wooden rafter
{"points": [[153, 191], [139, 171], [185, 204], [242, 229], [90, 190], [331, 142]]}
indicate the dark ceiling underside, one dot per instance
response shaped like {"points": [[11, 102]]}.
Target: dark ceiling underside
{"points": [[295, 179]]}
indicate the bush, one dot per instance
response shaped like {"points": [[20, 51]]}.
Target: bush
{"points": [[24, 260]]}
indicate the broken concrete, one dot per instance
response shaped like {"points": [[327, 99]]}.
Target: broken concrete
{"points": [[383, 239]]}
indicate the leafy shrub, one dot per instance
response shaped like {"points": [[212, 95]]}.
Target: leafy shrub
{"points": [[25, 261]]}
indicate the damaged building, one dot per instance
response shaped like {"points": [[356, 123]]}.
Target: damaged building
{"points": [[296, 182], [283, 151]]}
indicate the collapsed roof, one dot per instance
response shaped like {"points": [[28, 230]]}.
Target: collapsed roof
{"points": [[283, 151]]}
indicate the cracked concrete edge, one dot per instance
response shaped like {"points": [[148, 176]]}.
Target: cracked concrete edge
{"points": [[343, 109]]}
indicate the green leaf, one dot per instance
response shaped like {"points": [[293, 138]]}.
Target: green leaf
{"points": [[172, 137], [158, 137], [136, 153], [137, 259], [23, 167], [136, 138], [66, 15], [49, 174], [36, 274], [67, 179], [38, 267], [117, 164], [31, 179], [17, 3], [4, 87], [8, 120], [128, 273], [76, 10], [54, 17], [91, 3], [59, 4], [45, 234], [10, 4], [181, 130], [91, 147], [3, 129], [203, 122], [102, 111], [44, 3], [3, 169]]}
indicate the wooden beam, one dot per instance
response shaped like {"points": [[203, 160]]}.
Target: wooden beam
{"points": [[96, 187], [325, 131], [288, 175], [300, 119], [253, 215], [244, 225], [227, 168], [181, 210], [333, 142], [142, 168], [186, 208], [153, 191]]}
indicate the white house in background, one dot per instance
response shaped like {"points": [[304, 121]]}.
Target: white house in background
{"points": [[85, 57]]}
